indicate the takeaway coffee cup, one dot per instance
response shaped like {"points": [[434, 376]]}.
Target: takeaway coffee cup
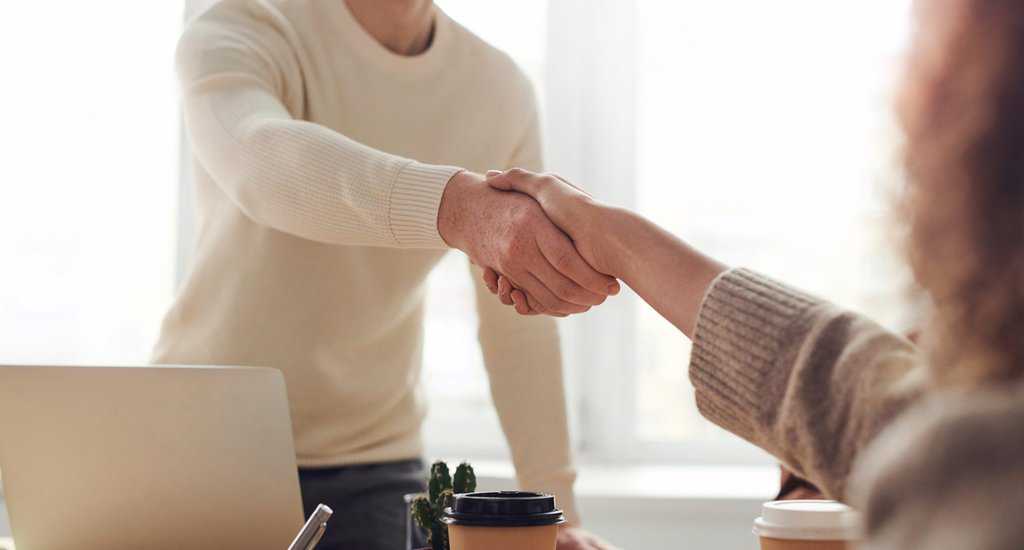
{"points": [[807, 525], [507, 520]]}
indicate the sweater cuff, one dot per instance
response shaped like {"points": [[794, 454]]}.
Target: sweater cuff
{"points": [[740, 330], [562, 489], [415, 199]]}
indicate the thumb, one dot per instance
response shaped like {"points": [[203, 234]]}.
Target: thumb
{"points": [[501, 181], [571, 184], [516, 181]]}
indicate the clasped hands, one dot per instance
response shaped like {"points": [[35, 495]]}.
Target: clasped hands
{"points": [[535, 237]]}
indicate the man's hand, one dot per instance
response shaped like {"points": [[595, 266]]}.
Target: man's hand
{"points": [[571, 209], [509, 233], [575, 538]]}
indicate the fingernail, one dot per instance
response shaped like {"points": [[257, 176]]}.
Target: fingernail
{"points": [[613, 288]]}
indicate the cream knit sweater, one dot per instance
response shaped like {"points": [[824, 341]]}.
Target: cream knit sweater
{"points": [[844, 403], [321, 161]]}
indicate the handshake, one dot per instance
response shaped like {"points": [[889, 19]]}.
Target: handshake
{"points": [[544, 244]]}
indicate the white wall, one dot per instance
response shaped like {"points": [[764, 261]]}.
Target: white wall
{"points": [[696, 523]]}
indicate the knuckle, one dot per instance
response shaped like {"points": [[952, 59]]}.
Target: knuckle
{"points": [[510, 251], [563, 259], [562, 307], [576, 308], [523, 214], [584, 297], [567, 291], [506, 251]]}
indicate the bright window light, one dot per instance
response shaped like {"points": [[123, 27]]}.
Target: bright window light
{"points": [[454, 374], [90, 141], [765, 137]]}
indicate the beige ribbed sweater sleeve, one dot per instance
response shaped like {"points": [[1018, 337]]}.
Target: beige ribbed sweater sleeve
{"points": [[806, 381], [241, 89]]}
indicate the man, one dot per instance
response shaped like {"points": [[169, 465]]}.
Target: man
{"points": [[338, 146]]}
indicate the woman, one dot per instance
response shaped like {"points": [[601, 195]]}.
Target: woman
{"points": [[928, 442]]}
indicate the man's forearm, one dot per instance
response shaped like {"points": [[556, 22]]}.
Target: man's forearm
{"points": [[452, 212]]}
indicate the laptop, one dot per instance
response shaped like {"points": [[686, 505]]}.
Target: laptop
{"points": [[139, 458]]}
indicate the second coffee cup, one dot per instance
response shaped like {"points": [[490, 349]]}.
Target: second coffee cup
{"points": [[807, 525], [506, 520]]}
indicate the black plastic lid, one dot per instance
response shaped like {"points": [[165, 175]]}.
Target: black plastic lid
{"points": [[503, 509]]}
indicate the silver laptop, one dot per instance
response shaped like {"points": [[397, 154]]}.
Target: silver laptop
{"points": [[139, 458]]}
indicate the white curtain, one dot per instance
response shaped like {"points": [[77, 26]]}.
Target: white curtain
{"points": [[590, 138]]}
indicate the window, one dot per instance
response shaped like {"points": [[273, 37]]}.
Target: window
{"points": [[453, 369], [764, 136], [90, 141], [738, 125]]}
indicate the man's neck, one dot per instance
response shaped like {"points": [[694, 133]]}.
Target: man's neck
{"points": [[403, 26]]}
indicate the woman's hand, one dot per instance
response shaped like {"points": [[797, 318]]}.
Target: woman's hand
{"points": [[667, 273], [568, 207], [511, 233]]}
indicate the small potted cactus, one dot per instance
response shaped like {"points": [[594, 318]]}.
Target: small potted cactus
{"points": [[427, 510]]}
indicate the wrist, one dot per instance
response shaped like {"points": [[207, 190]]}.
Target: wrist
{"points": [[621, 227], [453, 210]]}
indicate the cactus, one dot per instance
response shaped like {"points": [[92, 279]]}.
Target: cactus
{"points": [[440, 480], [465, 479], [427, 510], [422, 512]]}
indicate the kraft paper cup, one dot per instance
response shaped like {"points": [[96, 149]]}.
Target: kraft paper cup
{"points": [[506, 520], [807, 525]]}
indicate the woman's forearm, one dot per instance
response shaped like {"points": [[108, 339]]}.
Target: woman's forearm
{"points": [[667, 273]]}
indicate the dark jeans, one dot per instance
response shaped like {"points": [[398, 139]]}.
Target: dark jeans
{"points": [[368, 503]]}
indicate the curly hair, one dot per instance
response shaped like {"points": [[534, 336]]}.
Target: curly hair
{"points": [[962, 110]]}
